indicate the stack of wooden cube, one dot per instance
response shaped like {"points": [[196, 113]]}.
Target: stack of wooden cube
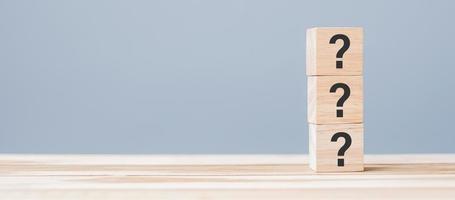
{"points": [[335, 98]]}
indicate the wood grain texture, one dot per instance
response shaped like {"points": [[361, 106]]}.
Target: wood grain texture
{"points": [[321, 55], [221, 177], [322, 104], [324, 153]]}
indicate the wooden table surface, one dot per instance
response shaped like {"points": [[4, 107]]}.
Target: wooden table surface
{"points": [[429, 176]]}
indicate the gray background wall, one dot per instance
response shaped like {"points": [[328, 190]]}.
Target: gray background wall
{"points": [[213, 76]]}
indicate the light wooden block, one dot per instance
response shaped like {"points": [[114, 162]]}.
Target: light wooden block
{"points": [[323, 105], [325, 146], [322, 54]]}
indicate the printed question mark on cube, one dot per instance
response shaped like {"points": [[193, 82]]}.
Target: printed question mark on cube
{"points": [[344, 48], [344, 148]]}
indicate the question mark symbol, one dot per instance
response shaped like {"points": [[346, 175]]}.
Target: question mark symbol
{"points": [[346, 94], [344, 48], [344, 148]]}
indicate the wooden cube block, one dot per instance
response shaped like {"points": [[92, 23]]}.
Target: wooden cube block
{"points": [[336, 147], [334, 51], [335, 99]]}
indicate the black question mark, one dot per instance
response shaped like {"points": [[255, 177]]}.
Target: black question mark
{"points": [[344, 48], [340, 102], [344, 148]]}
